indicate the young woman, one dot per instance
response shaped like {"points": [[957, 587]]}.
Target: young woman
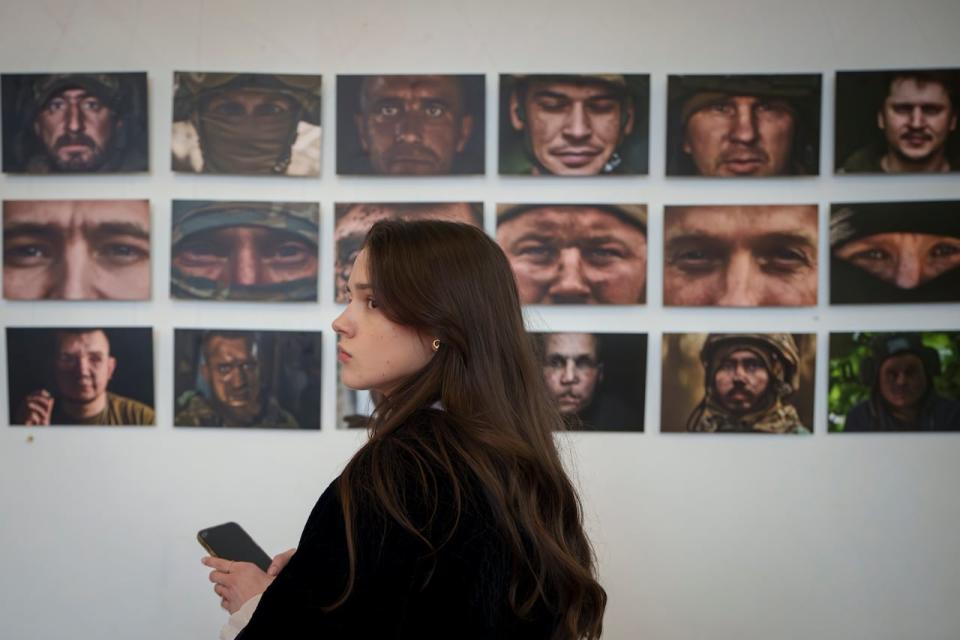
{"points": [[456, 518]]}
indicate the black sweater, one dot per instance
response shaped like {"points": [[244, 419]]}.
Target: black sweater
{"points": [[401, 589]]}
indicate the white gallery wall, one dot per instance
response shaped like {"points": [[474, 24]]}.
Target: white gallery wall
{"points": [[831, 536]]}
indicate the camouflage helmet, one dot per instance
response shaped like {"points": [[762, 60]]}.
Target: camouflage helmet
{"points": [[109, 87], [780, 345], [299, 218], [193, 217], [191, 87]]}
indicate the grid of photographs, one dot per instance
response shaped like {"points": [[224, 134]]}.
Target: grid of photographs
{"points": [[720, 252]]}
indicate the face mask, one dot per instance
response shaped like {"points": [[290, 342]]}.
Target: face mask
{"points": [[849, 284], [244, 145]]}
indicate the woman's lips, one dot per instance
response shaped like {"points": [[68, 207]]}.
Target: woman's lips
{"points": [[343, 356]]}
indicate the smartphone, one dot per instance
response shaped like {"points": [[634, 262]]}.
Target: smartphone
{"points": [[230, 542]]}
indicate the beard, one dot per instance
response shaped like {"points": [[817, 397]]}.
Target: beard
{"points": [[90, 160]]}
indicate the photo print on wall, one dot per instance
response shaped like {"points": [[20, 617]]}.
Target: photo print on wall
{"points": [[256, 251], [246, 123], [598, 380], [574, 124], [80, 376], [740, 255], [410, 125], [743, 126], [66, 123], [895, 381], [576, 253], [738, 383], [895, 252], [247, 378], [76, 250], [901, 121]]}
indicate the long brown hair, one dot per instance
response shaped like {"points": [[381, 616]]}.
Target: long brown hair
{"points": [[452, 281]]}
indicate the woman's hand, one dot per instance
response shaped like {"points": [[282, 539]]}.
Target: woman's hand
{"points": [[237, 582], [279, 562]]}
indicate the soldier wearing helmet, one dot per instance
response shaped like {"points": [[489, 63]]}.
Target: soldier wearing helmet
{"points": [[244, 250], [900, 372], [748, 378], [246, 123], [75, 123], [743, 126], [573, 124]]}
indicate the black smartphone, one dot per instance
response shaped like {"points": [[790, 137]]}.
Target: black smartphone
{"points": [[230, 542]]}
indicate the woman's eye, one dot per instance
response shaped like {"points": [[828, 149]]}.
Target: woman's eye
{"points": [[371, 303]]}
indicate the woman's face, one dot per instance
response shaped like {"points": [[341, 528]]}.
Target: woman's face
{"points": [[374, 352]]}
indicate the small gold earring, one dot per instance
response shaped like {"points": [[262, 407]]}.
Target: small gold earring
{"points": [[436, 344]]}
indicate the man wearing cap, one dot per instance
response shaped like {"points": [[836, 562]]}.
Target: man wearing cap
{"points": [[917, 116], [244, 250], [246, 123], [571, 125], [743, 126], [889, 252], [80, 123], [747, 380], [576, 254], [900, 372]]}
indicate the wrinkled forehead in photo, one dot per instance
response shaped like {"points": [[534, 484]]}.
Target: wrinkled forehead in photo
{"points": [[895, 252], [410, 125], [256, 251], [354, 219], [576, 253], [246, 123], [76, 250], [574, 124], [729, 126], [58, 123]]}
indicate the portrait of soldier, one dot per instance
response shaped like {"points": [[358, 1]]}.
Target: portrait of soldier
{"points": [[576, 253], [410, 125], [246, 123], [743, 125], [740, 256], [895, 252], [81, 376], [260, 251], [229, 378], [902, 121], [354, 219], [597, 380], [574, 124], [76, 250], [738, 383], [75, 123], [898, 375]]}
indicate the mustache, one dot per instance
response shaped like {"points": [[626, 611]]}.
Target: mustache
{"points": [[70, 139], [740, 390], [406, 150], [742, 152]]}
